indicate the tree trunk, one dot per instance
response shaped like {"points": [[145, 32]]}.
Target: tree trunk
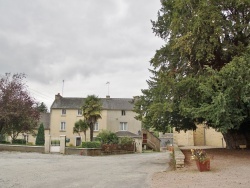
{"points": [[84, 135], [234, 138], [91, 127]]}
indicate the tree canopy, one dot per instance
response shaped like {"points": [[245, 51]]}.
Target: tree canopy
{"points": [[17, 108], [81, 126], [92, 107], [41, 107], [201, 74]]}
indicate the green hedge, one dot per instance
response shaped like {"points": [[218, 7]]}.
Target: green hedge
{"points": [[4, 142], [19, 141], [126, 140], [91, 144]]}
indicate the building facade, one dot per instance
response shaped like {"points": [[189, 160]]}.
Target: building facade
{"points": [[202, 136], [117, 115]]}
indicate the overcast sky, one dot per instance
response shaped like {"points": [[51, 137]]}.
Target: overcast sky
{"points": [[86, 43]]}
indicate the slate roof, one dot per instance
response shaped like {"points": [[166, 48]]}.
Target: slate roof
{"points": [[45, 119], [108, 103], [127, 134]]}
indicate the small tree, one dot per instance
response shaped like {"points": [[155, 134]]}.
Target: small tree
{"points": [[80, 126], [17, 108], [40, 135]]}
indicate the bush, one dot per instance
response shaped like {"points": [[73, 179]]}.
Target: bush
{"points": [[40, 135], [126, 140], [107, 137], [30, 143], [95, 144], [55, 142], [4, 142], [19, 141]]}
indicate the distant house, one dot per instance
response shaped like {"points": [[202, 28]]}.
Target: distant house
{"points": [[117, 116], [202, 136], [31, 138]]}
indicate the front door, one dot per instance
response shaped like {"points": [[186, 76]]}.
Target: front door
{"points": [[78, 141]]}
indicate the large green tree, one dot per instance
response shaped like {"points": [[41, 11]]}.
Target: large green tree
{"points": [[200, 74], [91, 108], [81, 126], [18, 113]]}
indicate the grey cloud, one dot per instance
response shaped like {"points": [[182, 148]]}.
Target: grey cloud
{"points": [[77, 40]]}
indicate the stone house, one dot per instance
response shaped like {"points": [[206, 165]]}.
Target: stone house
{"points": [[31, 138], [202, 136], [117, 116]]}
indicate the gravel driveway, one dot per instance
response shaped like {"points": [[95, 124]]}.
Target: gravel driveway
{"points": [[54, 170]]}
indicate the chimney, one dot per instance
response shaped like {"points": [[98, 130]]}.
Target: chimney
{"points": [[58, 96], [135, 98]]}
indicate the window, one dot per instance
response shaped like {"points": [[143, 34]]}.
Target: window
{"points": [[123, 126], [123, 112], [63, 111], [96, 126], [79, 113], [63, 126]]}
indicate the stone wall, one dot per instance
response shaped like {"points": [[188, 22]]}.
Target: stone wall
{"points": [[202, 136], [83, 151], [21, 148]]}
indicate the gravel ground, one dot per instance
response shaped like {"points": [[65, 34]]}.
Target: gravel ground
{"points": [[25, 170], [229, 169]]}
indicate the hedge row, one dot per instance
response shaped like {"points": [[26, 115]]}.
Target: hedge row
{"points": [[91, 144]]}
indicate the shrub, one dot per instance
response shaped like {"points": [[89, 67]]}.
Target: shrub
{"points": [[40, 135], [55, 142], [30, 143], [4, 142], [94, 144], [19, 141], [107, 137], [71, 145], [126, 140]]}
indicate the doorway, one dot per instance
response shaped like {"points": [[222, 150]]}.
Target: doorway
{"points": [[78, 141]]}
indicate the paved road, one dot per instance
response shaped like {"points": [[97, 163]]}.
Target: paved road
{"points": [[25, 170]]}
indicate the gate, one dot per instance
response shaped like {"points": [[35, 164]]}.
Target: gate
{"points": [[55, 145]]}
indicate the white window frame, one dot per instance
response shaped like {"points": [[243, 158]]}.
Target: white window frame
{"points": [[96, 126], [123, 126], [63, 126], [64, 111], [79, 112]]}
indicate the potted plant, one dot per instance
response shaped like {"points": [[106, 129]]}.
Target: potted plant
{"points": [[201, 159]]}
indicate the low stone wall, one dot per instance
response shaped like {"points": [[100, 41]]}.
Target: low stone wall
{"points": [[93, 151], [21, 148], [68, 150], [179, 157], [83, 151]]}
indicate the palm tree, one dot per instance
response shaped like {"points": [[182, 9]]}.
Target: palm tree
{"points": [[92, 108], [80, 126]]}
